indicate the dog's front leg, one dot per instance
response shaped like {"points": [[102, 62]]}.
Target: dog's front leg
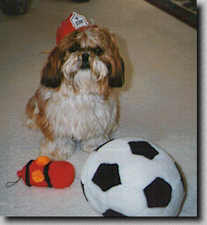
{"points": [[59, 149], [92, 144]]}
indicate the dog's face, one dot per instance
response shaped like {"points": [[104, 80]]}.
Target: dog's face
{"points": [[93, 51]]}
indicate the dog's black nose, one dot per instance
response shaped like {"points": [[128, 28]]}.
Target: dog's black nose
{"points": [[85, 61], [85, 57]]}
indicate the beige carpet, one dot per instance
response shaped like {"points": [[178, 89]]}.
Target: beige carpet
{"points": [[158, 101]]}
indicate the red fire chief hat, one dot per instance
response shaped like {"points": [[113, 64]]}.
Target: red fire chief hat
{"points": [[74, 22]]}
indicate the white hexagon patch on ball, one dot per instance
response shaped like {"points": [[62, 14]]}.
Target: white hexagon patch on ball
{"points": [[132, 177]]}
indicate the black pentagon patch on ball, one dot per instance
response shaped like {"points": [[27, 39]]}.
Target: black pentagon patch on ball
{"points": [[113, 213], [158, 193], [143, 148], [103, 144], [83, 189], [107, 176]]}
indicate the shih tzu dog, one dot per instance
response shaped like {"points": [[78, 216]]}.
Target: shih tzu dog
{"points": [[75, 100]]}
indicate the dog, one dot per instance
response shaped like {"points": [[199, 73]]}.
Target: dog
{"points": [[75, 101]]}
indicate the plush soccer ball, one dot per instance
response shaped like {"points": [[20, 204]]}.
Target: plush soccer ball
{"points": [[132, 177]]}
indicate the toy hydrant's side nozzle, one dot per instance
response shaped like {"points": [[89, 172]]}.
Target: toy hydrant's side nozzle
{"points": [[19, 173], [42, 160]]}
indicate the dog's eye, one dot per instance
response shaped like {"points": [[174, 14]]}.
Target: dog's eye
{"points": [[75, 47], [98, 51]]}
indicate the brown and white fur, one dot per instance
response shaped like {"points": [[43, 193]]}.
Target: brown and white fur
{"points": [[75, 100]]}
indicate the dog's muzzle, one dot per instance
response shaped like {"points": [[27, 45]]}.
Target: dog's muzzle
{"points": [[85, 61]]}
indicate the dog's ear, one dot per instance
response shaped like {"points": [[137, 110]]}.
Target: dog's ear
{"points": [[116, 78], [51, 73]]}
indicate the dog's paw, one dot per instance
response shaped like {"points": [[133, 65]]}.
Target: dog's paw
{"points": [[57, 150], [31, 124], [92, 144]]}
